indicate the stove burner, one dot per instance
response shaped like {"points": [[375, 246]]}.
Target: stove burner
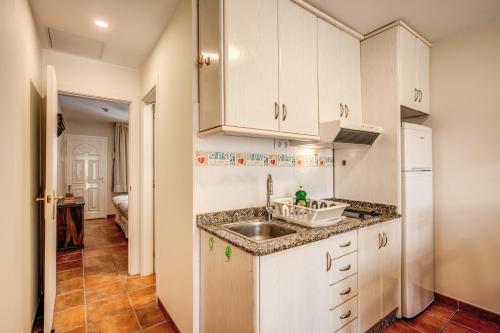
{"points": [[360, 214]]}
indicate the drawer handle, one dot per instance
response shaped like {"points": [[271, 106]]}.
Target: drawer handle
{"points": [[345, 244], [345, 292], [346, 315], [346, 268]]}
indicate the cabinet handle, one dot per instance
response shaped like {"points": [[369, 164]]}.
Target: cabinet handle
{"points": [[345, 292], [384, 240], [328, 261], [379, 240], [416, 94], [346, 315], [346, 268], [341, 107], [345, 244], [285, 112], [421, 95], [346, 111], [276, 110]]}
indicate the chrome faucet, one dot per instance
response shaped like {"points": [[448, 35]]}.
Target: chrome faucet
{"points": [[269, 208]]}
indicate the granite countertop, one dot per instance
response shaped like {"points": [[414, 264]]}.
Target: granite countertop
{"points": [[212, 223]]}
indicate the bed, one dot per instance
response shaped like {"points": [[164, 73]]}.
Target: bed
{"points": [[121, 207]]}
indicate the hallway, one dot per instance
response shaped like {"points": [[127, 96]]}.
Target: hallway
{"points": [[95, 293]]}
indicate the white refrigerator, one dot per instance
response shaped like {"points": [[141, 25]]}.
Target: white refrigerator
{"points": [[418, 222]]}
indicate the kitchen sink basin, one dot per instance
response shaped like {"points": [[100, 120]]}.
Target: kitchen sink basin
{"points": [[259, 231]]}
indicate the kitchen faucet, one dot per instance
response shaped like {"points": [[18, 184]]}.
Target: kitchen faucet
{"points": [[269, 208]]}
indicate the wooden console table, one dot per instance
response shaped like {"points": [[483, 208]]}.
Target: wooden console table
{"points": [[70, 224]]}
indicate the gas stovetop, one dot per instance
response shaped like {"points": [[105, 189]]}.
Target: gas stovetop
{"points": [[360, 214]]}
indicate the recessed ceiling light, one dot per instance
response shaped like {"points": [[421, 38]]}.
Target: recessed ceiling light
{"points": [[101, 24]]}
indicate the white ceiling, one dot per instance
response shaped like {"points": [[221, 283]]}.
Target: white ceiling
{"points": [[433, 19], [134, 25], [87, 109]]}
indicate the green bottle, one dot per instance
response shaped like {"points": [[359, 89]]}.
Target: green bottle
{"points": [[301, 197]]}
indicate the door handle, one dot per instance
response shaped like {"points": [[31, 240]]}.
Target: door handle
{"points": [[421, 95], [341, 110], [379, 240], [416, 94], [54, 203], [285, 112], [346, 111], [384, 240], [276, 110], [328, 261]]}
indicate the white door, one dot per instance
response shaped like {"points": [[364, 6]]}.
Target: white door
{"points": [[350, 54], [369, 277], [50, 137], [423, 76], [391, 266], [298, 69], [407, 69], [86, 172], [329, 79], [251, 70], [417, 147]]}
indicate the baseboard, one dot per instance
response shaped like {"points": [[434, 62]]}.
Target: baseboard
{"points": [[467, 307], [383, 323], [111, 216], [163, 309]]}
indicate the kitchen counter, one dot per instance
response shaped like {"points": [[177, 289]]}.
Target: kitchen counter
{"points": [[212, 223]]}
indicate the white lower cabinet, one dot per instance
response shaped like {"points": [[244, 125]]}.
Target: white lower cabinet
{"points": [[379, 276]]}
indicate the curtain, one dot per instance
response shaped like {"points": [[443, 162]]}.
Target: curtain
{"points": [[120, 159]]}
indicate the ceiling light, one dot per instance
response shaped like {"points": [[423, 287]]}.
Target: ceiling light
{"points": [[101, 24]]}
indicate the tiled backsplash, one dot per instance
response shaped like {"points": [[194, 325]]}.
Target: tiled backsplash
{"points": [[259, 159]]}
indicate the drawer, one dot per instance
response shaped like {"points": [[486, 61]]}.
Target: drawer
{"points": [[344, 244], [352, 327], [343, 314], [343, 290], [343, 267]]}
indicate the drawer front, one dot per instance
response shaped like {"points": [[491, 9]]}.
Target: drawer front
{"points": [[344, 244], [343, 314], [343, 290], [343, 267], [352, 327]]}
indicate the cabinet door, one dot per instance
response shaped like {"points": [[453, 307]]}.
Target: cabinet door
{"points": [[227, 288], [351, 77], [369, 277], [294, 290], [391, 266], [251, 63], [329, 78], [298, 72], [407, 68], [423, 76]]}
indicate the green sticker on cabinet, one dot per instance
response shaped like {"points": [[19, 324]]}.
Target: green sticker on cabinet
{"points": [[229, 251], [211, 242]]}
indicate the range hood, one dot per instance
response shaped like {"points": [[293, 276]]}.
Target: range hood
{"points": [[339, 133]]}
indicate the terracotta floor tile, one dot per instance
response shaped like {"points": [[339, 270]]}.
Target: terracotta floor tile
{"points": [[64, 266], [149, 315], [69, 257], [400, 327], [428, 323], [69, 274], [95, 253], [139, 282], [80, 329], [452, 327], [122, 323], [441, 309], [143, 296], [161, 328], [105, 259], [93, 280], [474, 322], [103, 291], [107, 307], [70, 300], [69, 286], [69, 319]]}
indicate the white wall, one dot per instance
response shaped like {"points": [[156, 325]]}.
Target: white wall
{"points": [[20, 66], [170, 68], [465, 117]]}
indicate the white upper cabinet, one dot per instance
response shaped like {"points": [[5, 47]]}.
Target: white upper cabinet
{"points": [[298, 70], [339, 75], [251, 53], [414, 67]]}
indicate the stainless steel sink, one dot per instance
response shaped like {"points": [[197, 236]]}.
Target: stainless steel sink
{"points": [[259, 231]]}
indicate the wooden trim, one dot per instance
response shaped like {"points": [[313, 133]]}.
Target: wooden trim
{"points": [[467, 307], [101, 98], [110, 216], [341, 26], [167, 315], [394, 24], [252, 132]]}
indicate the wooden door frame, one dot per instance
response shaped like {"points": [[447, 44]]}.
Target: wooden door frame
{"points": [[104, 163]]}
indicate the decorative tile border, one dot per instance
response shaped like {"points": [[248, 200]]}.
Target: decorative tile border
{"points": [[260, 160]]}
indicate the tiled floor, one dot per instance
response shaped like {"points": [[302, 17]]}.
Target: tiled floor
{"points": [[95, 293], [442, 317]]}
